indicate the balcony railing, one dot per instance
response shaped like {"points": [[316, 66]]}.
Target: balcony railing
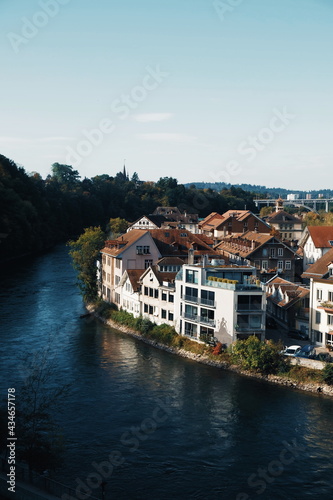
{"points": [[199, 319], [208, 302], [249, 307], [191, 298]]}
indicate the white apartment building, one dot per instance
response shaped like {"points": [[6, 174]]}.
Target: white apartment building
{"points": [[321, 309], [219, 302]]}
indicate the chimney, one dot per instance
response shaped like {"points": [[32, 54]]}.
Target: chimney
{"points": [[190, 259]]}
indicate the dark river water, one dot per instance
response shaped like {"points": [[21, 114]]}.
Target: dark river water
{"points": [[154, 425]]}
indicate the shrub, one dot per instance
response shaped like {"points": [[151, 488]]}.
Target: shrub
{"points": [[217, 349], [327, 374], [254, 355]]}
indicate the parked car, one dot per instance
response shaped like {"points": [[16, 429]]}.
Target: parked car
{"points": [[297, 334], [292, 350], [307, 351]]}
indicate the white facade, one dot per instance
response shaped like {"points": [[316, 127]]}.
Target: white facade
{"points": [[143, 223], [158, 299], [311, 253], [129, 298], [139, 252], [321, 310], [208, 308]]}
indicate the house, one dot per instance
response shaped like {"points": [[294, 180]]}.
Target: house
{"points": [[232, 222], [219, 303], [158, 290], [129, 290], [315, 242], [134, 250], [289, 226], [178, 242], [263, 251], [288, 304], [320, 275], [167, 217]]}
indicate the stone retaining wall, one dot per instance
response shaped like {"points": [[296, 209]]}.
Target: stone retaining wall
{"points": [[200, 358]]}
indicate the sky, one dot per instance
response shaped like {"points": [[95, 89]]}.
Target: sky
{"points": [[235, 91]]}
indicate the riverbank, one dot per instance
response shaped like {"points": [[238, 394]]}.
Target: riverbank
{"points": [[318, 388]]}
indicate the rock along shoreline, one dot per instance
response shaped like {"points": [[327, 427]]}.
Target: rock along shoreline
{"points": [[323, 389]]}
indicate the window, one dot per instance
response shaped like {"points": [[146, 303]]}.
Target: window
{"points": [[272, 253], [331, 242], [167, 235], [164, 296], [319, 294], [280, 265], [330, 296], [117, 280], [163, 314], [191, 276], [156, 294], [142, 250], [151, 310], [148, 263], [330, 319], [207, 298], [146, 291], [191, 312], [190, 329], [288, 265], [145, 308], [183, 235], [280, 252], [318, 315], [170, 316], [151, 292], [118, 263], [264, 252], [171, 298], [117, 298], [191, 294], [264, 265]]}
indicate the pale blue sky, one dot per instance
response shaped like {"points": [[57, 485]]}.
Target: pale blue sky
{"points": [[227, 71]]}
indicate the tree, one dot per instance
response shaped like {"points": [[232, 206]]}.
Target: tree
{"points": [[85, 252], [117, 226], [40, 442], [254, 355], [65, 175]]}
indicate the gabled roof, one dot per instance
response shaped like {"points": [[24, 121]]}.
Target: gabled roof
{"points": [[177, 242], [283, 216], [321, 235], [293, 292], [134, 276], [154, 219], [116, 247], [169, 277], [319, 268], [170, 261], [247, 243]]}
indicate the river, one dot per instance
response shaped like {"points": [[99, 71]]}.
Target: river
{"points": [[172, 428]]}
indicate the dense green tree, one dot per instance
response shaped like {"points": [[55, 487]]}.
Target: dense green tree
{"points": [[85, 252], [254, 355]]}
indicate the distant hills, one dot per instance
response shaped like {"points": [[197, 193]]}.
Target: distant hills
{"points": [[262, 190]]}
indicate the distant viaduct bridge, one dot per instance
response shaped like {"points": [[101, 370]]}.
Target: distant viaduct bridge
{"points": [[311, 205]]}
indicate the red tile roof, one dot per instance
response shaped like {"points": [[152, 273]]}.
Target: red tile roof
{"points": [[319, 268], [321, 235]]}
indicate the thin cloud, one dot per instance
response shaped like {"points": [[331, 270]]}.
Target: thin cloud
{"points": [[167, 137], [40, 140], [153, 117]]}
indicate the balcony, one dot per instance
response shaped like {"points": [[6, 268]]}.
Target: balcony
{"points": [[207, 302], [191, 298], [327, 306], [249, 308], [233, 286], [199, 319]]}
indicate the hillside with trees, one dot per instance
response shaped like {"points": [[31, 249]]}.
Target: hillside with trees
{"points": [[36, 213]]}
